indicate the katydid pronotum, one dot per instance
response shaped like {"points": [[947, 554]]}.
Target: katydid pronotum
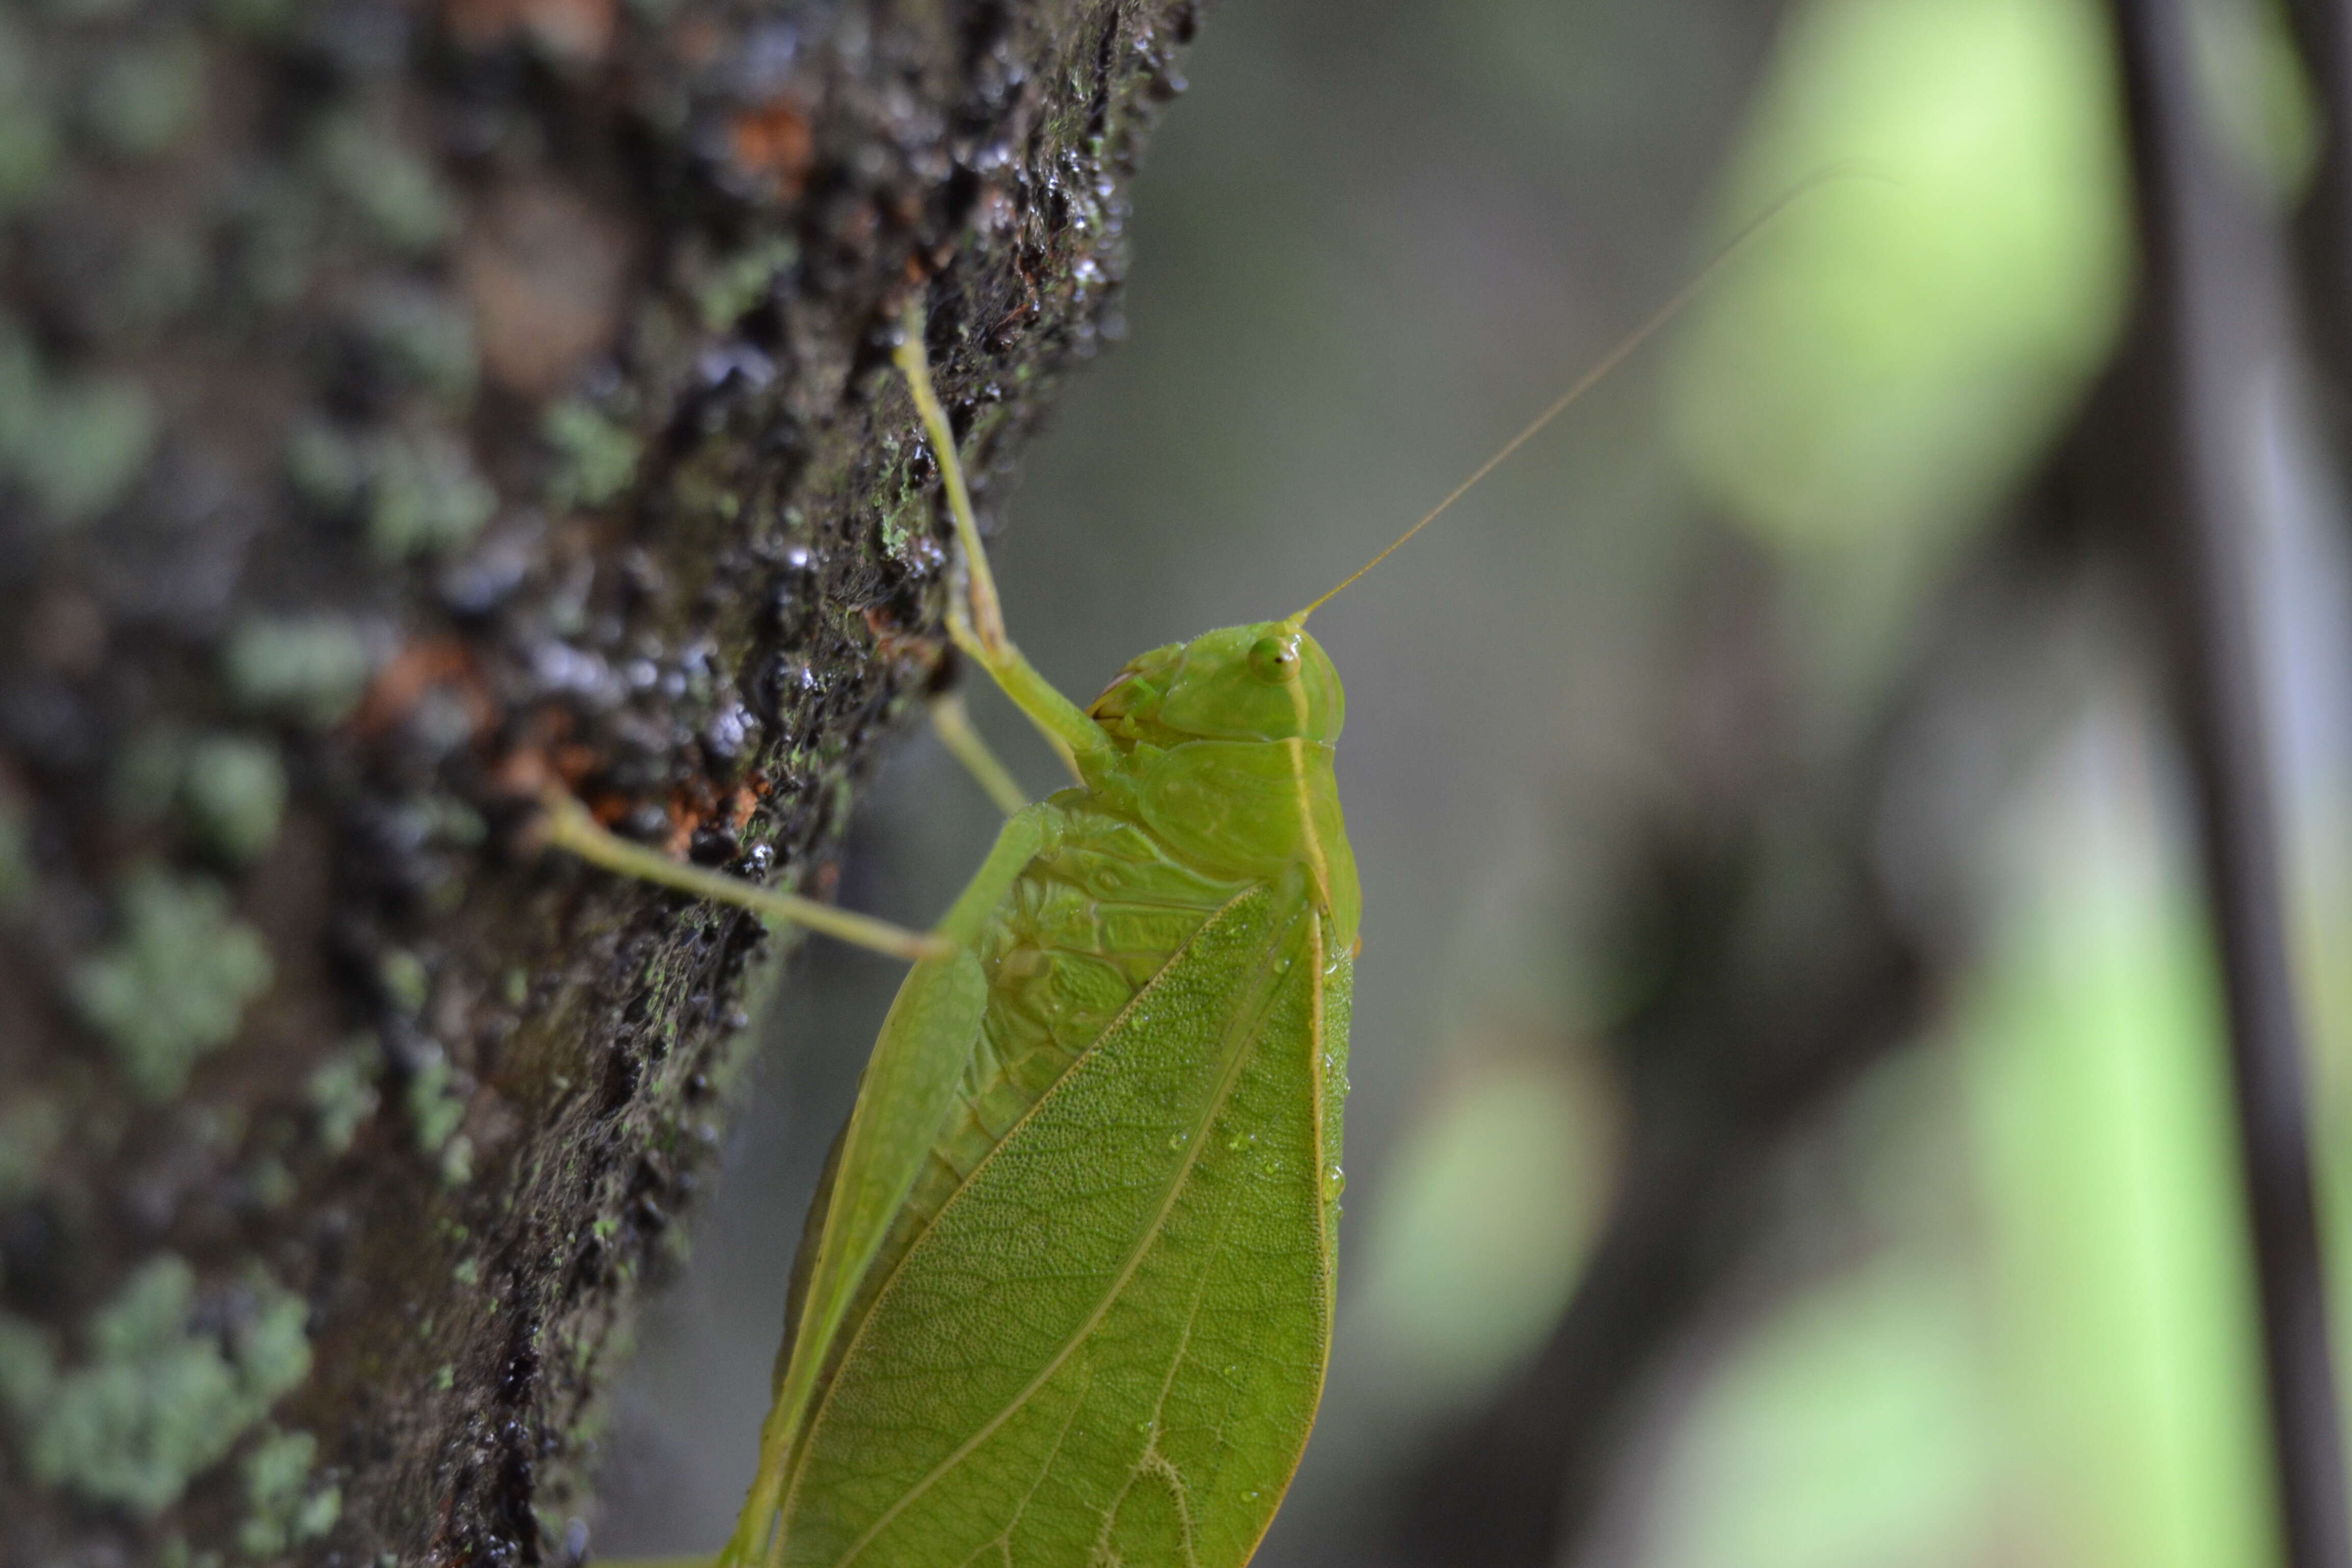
{"points": [[1065, 1296]]}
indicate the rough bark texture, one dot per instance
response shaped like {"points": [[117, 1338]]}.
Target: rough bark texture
{"points": [[402, 410]]}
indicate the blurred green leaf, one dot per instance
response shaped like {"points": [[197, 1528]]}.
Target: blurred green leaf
{"points": [[1903, 344], [1480, 1228], [2117, 1248], [1849, 1431], [2051, 1359]]}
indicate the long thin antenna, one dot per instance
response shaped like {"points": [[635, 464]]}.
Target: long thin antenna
{"points": [[1593, 377]]}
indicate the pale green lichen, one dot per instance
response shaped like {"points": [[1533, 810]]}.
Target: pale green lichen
{"points": [[161, 277], [327, 468], [435, 1109], [415, 496], [600, 457], [342, 1093], [287, 1505], [143, 776], [743, 280], [90, 10], [406, 983], [144, 98], [159, 1399], [255, 19], [173, 983], [28, 139], [15, 858], [424, 337], [908, 513], [399, 195], [231, 788], [268, 1181], [31, 1128], [451, 821], [425, 496], [28, 1363], [236, 793], [73, 444], [278, 220], [457, 1167], [311, 668]]}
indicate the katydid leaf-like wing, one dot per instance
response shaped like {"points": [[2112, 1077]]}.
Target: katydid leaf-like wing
{"points": [[904, 1098], [1106, 1345]]}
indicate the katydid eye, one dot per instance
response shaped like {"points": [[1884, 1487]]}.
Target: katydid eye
{"points": [[1275, 660]]}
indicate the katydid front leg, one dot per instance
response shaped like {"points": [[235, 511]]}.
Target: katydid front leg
{"points": [[979, 630]]}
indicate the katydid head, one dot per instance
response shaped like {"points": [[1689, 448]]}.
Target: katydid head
{"points": [[1270, 682]]}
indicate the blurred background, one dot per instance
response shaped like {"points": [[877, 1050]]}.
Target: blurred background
{"points": [[1789, 1054]]}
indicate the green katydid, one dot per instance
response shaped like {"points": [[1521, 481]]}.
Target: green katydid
{"points": [[1065, 1296], [1068, 1295]]}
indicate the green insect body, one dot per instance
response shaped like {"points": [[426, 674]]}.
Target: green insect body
{"points": [[1065, 1299], [1095, 1332]]}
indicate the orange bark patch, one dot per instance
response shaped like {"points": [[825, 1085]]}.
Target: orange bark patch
{"points": [[576, 762], [893, 642], [773, 144], [436, 663], [544, 757], [523, 772]]}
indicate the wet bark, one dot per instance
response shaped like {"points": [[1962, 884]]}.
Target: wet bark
{"points": [[402, 410]]}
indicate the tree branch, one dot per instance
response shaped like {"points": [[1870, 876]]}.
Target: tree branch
{"points": [[2215, 311]]}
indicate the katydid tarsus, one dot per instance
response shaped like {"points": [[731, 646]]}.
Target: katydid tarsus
{"points": [[1065, 1296]]}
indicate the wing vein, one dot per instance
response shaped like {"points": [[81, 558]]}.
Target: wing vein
{"points": [[790, 1490], [1247, 1018]]}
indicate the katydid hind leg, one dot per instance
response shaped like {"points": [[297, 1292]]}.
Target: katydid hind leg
{"points": [[569, 826], [903, 1099]]}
